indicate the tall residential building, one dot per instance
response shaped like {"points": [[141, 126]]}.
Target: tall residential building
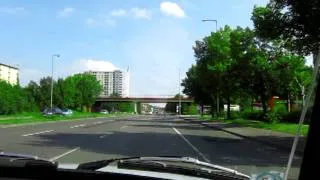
{"points": [[113, 82], [9, 74]]}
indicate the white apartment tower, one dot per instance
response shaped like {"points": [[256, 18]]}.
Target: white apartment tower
{"points": [[9, 74], [113, 82]]}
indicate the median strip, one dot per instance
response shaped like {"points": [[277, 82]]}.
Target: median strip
{"points": [[36, 133]]}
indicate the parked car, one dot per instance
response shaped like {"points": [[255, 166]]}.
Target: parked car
{"points": [[49, 111], [67, 111], [103, 111]]}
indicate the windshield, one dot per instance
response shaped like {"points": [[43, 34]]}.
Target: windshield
{"points": [[229, 83]]}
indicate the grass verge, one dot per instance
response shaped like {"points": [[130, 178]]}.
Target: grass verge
{"points": [[35, 117], [280, 126]]}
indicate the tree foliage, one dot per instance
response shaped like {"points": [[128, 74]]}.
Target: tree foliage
{"points": [[294, 23], [238, 64], [77, 92], [13, 99]]}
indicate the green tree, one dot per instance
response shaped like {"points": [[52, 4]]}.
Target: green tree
{"points": [[295, 23], [58, 93], [192, 87], [13, 99], [44, 92], [69, 92], [87, 90], [32, 91]]}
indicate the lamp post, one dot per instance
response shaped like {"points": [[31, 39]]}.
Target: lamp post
{"points": [[179, 94], [52, 58], [216, 22]]}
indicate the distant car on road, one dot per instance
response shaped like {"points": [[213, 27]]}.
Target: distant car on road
{"points": [[103, 111], [67, 112]]}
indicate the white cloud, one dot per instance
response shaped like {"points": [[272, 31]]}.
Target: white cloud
{"points": [[100, 22], [118, 12], [66, 12], [11, 10], [63, 69], [81, 65], [141, 13], [172, 9]]}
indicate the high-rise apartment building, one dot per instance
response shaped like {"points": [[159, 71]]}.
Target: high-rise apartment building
{"points": [[113, 82], [9, 74]]}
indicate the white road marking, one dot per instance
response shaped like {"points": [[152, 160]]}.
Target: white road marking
{"points": [[192, 146], [80, 125], [122, 127], [64, 154], [40, 132], [102, 136], [98, 122]]}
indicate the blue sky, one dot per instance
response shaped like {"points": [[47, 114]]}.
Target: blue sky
{"points": [[154, 38]]}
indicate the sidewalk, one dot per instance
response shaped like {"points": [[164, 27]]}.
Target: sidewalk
{"points": [[279, 140]]}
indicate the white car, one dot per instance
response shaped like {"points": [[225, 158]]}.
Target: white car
{"points": [[67, 112], [103, 111], [233, 107]]}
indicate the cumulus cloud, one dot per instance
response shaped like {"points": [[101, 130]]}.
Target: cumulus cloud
{"points": [[172, 9], [141, 13], [118, 12], [66, 12], [82, 65], [11, 10]]}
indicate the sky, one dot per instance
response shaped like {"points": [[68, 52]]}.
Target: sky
{"points": [[153, 39]]}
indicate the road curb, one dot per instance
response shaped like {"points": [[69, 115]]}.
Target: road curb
{"points": [[48, 122], [269, 143]]}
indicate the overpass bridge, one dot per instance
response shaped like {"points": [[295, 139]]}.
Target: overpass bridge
{"points": [[144, 99], [138, 100]]}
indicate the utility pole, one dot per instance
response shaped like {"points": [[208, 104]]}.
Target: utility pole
{"points": [[302, 91], [52, 58], [216, 21], [179, 94]]}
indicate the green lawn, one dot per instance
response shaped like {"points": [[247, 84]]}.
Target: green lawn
{"points": [[280, 127], [35, 117]]}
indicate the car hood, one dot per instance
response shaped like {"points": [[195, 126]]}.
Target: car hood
{"points": [[113, 168]]}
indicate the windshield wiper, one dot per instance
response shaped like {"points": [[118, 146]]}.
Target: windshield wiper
{"points": [[159, 164], [189, 171], [26, 161]]}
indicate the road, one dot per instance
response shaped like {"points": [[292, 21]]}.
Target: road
{"points": [[104, 138]]}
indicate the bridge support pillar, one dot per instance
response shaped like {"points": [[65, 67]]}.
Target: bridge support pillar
{"points": [[135, 108]]}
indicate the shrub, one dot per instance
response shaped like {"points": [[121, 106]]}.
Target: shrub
{"points": [[294, 116], [280, 108], [272, 117], [253, 115]]}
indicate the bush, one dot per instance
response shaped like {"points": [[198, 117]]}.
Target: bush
{"points": [[272, 117], [253, 115], [294, 116], [280, 108]]}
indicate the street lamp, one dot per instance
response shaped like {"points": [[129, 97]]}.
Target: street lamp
{"points": [[52, 58], [211, 20], [179, 94], [216, 21]]}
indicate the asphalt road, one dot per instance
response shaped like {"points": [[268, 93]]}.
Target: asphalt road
{"points": [[104, 138]]}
